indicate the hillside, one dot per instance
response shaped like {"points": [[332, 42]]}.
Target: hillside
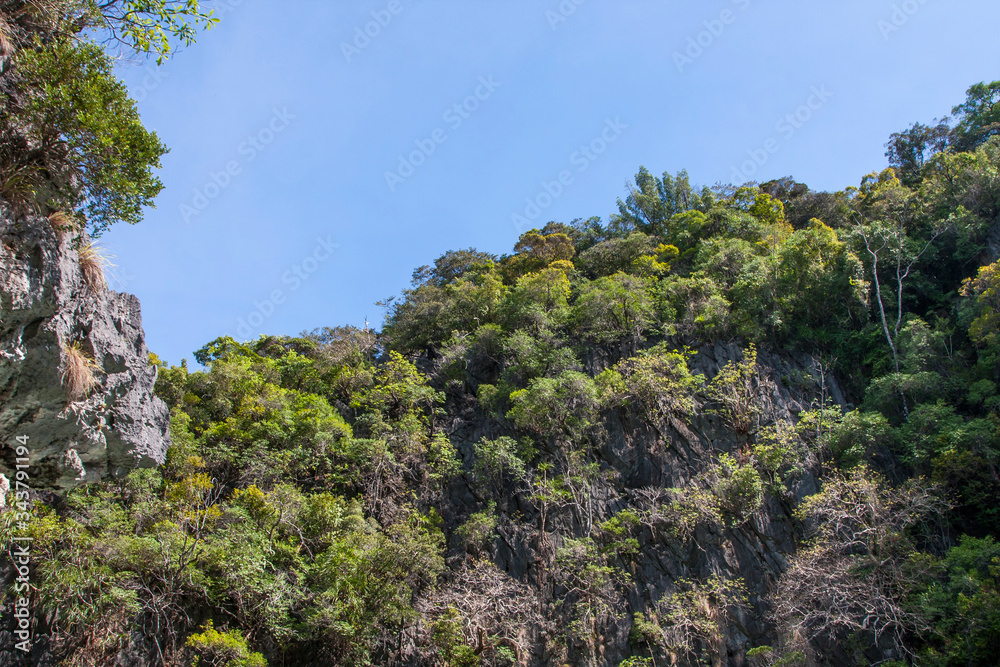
{"points": [[685, 436], [749, 424]]}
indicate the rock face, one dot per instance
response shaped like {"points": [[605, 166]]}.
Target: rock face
{"points": [[49, 317], [643, 456]]}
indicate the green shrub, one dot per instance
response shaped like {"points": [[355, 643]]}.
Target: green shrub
{"points": [[691, 622], [741, 393], [854, 439], [961, 602], [694, 306], [476, 533], [448, 638], [614, 308], [777, 454], [211, 648], [657, 381], [498, 461], [563, 406], [739, 488], [91, 152]]}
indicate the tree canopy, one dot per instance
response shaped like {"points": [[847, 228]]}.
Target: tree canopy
{"points": [[71, 139]]}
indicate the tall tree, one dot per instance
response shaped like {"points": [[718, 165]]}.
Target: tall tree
{"points": [[978, 117], [910, 149], [882, 217], [653, 201]]}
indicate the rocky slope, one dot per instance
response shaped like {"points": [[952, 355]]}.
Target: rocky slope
{"points": [[50, 317], [49, 308], [644, 460]]}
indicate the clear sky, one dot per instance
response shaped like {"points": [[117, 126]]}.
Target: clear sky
{"points": [[313, 166]]}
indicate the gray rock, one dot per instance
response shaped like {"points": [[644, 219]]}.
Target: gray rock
{"points": [[45, 307]]}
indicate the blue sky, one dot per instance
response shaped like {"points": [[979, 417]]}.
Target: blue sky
{"points": [[283, 122]]}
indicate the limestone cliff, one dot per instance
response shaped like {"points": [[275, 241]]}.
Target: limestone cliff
{"points": [[52, 316]]}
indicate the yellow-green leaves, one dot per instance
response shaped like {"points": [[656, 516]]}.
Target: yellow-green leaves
{"points": [[656, 381], [226, 649], [985, 289], [152, 26], [564, 406]]}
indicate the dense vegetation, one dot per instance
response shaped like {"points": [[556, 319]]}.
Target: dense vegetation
{"points": [[71, 140], [344, 497]]}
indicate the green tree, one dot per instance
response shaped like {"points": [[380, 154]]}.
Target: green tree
{"points": [[451, 266], [690, 623], [978, 117], [820, 282], [910, 150], [591, 586], [960, 598], [539, 301], [854, 574], [882, 226], [653, 202], [152, 26], [739, 488], [656, 380], [742, 393], [149, 27], [536, 250], [614, 308], [617, 254], [985, 289], [563, 407], [74, 141], [498, 462], [367, 580], [695, 305]]}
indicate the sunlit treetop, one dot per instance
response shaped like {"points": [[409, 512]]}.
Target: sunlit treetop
{"points": [[154, 27]]}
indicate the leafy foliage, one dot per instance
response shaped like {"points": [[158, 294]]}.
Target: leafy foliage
{"points": [[959, 595], [352, 498], [657, 380], [75, 139], [70, 137], [686, 624], [152, 26], [222, 649], [855, 574]]}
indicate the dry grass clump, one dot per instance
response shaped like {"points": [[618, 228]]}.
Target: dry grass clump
{"points": [[93, 263], [80, 373], [63, 223]]}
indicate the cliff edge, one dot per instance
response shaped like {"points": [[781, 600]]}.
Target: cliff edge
{"points": [[75, 377]]}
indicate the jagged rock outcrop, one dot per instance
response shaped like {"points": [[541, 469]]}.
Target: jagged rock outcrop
{"points": [[49, 314], [641, 457]]}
